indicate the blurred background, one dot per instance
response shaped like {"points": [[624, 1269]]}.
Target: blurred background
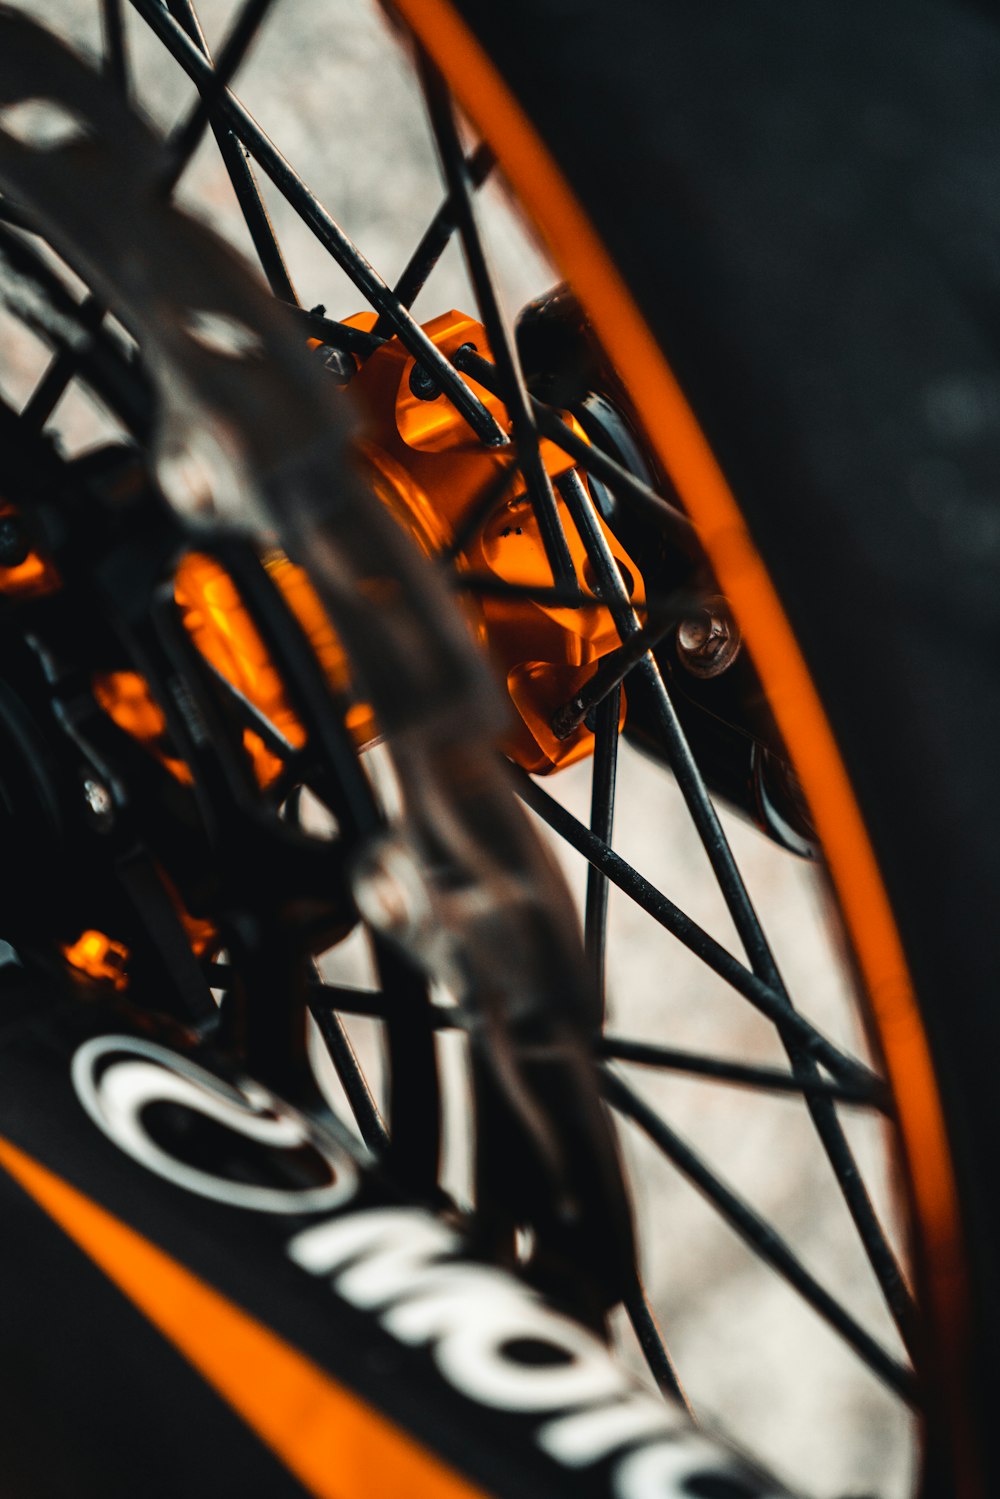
{"points": [[330, 85]]}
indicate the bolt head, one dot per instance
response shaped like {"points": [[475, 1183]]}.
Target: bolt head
{"points": [[709, 642], [423, 385]]}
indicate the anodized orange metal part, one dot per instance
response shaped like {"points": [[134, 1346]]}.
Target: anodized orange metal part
{"points": [[427, 468], [99, 957], [542, 652], [33, 576]]}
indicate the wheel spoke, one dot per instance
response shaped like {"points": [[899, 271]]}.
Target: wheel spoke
{"points": [[654, 1349], [436, 238], [602, 820], [327, 231], [762, 1237], [59, 372], [374, 1002], [742, 1074], [116, 67], [239, 170], [590, 458], [514, 392], [558, 595], [669, 609], [695, 938], [734, 892], [253, 718], [342, 1055], [186, 139], [616, 665]]}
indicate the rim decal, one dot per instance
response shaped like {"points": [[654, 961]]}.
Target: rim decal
{"points": [[117, 1078]]}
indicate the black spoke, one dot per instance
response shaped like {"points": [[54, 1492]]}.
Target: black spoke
{"points": [[734, 892], [10, 213], [742, 1074], [253, 718], [669, 609], [329, 233], [590, 458], [238, 167], [352, 1079], [338, 335], [762, 1237], [654, 1349], [513, 390], [59, 372], [115, 56], [436, 238], [602, 821], [695, 938], [598, 703], [558, 595], [188, 136], [615, 667]]}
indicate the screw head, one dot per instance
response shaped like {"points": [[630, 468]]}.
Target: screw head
{"points": [[709, 642]]}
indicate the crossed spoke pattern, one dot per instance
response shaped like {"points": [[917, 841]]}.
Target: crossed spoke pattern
{"points": [[820, 1073]]}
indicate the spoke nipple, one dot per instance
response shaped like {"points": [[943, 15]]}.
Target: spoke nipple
{"points": [[709, 641]]}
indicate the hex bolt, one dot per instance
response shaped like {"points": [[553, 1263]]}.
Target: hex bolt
{"points": [[709, 641]]}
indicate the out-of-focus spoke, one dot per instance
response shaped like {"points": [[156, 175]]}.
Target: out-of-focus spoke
{"points": [[116, 68], [352, 1079], [743, 1074], [59, 372], [667, 607], [487, 586], [761, 1237], [380, 1004]]}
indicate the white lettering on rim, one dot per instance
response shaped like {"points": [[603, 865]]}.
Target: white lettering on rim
{"points": [[138, 1074]]}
